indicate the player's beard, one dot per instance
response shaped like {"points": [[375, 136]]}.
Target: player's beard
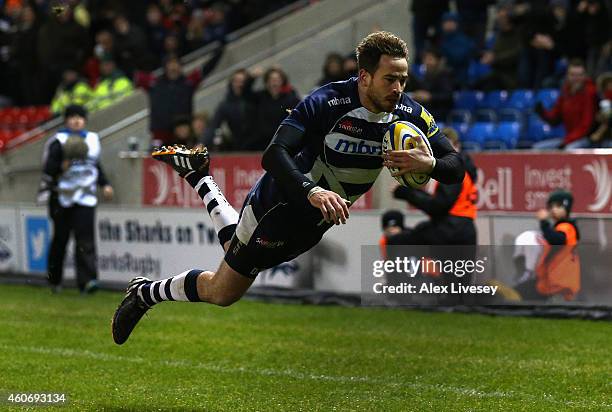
{"points": [[383, 103]]}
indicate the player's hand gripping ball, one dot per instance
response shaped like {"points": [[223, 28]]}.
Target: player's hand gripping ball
{"points": [[403, 136]]}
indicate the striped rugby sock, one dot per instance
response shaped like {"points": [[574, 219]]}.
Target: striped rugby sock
{"points": [[183, 287], [222, 214]]}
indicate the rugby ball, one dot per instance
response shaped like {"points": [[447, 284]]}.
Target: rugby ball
{"points": [[401, 136]]}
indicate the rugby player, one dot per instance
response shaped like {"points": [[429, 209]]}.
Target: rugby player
{"points": [[324, 156]]}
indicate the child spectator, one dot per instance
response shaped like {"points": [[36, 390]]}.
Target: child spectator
{"points": [[551, 264]]}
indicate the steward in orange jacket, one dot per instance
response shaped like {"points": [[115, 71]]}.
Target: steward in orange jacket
{"points": [[558, 268]]}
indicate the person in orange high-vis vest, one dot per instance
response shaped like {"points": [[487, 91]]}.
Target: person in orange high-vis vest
{"points": [[451, 208], [558, 268]]}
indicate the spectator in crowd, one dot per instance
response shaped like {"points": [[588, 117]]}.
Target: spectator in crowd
{"points": [[602, 132], [504, 55], [170, 98], [349, 66], [547, 260], [575, 108], [271, 106], [596, 22], [457, 48], [62, 43], [435, 89], [130, 46], [104, 47], [332, 69], [215, 28], [473, 17], [183, 133], [172, 46], [451, 208], [233, 112], [155, 33], [538, 25], [426, 17], [194, 34], [72, 90], [199, 124], [71, 173], [113, 85], [24, 59]]}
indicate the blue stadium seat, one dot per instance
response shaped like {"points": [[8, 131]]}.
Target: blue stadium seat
{"points": [[496, 100], [459, 116], [510, 115], [485, 115], [521, 100], [548, 97], [461, 128], [506, 136], [537, 129], [468, 99], [477, 134]]}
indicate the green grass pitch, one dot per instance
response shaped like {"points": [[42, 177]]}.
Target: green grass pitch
{"points": [[261, 357]]}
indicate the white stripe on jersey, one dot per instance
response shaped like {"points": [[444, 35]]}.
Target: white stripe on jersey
{"points": [[365, 114], [353, 175]]}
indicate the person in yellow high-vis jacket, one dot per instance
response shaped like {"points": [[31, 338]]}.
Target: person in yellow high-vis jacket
{"points": [[113, 86], [73, 90]]}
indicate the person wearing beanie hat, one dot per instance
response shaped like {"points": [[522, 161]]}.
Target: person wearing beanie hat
{"points": [[392, 224], [557, 270], [71, 174], [75, 110], [392, 219]]}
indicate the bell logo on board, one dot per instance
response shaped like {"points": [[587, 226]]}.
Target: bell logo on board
{"points": [[603, 184]]}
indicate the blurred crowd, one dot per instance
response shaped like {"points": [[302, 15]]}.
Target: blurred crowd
{"points": [[95, 52], [57, 49], [528, 45]]}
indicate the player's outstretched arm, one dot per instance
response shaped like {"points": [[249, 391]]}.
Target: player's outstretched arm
{"points": [[278, 161]]}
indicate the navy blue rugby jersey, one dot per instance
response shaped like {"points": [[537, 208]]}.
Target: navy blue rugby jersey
{"points": [[342, 142]]}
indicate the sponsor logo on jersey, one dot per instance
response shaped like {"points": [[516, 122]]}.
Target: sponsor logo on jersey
{"points": [[337, 101], [403, 107], [269, 244], [361, 147], [348, 126]]}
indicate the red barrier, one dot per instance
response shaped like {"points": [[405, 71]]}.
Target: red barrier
{"points": [[235, 175], [521, 182]]}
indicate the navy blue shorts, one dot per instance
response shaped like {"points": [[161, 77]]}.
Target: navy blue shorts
{"points": [[268, 236]]}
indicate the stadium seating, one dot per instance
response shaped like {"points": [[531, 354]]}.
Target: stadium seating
{"points": [[521, 100], [548, 97], [477, 135], [17, 120], [505, 136], [496, 100], [469, 99]]}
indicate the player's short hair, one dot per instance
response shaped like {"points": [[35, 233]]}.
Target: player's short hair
{"points": [[375, 45]]}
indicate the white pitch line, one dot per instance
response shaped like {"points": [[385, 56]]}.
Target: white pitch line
{"points": [[472, 392]]}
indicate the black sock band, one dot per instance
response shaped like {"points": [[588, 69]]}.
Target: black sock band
{"points": [[191, 285]]}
